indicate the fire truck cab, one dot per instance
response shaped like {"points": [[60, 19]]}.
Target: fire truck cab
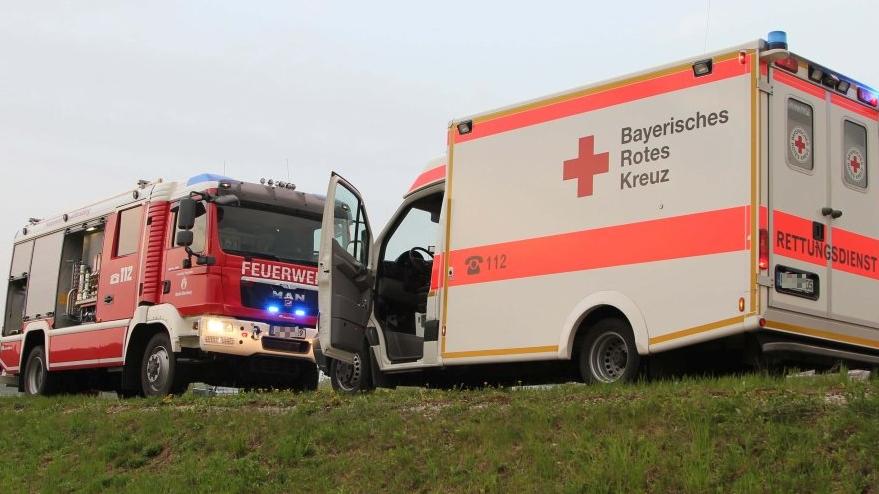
{"points": [[208, 279], [725, 200]]}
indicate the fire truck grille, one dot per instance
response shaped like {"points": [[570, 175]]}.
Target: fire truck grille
{"points": [[284, 345], [219, 340]]}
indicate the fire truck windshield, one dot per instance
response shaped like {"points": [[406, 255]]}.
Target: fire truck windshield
{"points": [[251, 231]]}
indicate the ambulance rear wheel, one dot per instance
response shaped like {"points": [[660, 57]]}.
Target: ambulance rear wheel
{"points": [[158, 368], [608, 353], [351, 378], [36, 377]]}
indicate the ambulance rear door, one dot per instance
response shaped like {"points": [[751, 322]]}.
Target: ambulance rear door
{"points": [[798, 194], [854, 196]]}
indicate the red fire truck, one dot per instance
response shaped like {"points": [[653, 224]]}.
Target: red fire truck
{"points": [[208, 279]]}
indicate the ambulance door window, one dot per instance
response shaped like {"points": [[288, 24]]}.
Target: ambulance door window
{"points": [[129, 232], [350, 225], [854, 142], [799, 127]]}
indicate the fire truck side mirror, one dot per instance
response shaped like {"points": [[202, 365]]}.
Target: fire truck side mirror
{"points": [[186, 217], [184, 238]]}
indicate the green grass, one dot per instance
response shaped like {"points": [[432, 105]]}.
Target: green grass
{"points": [[732, 434]]}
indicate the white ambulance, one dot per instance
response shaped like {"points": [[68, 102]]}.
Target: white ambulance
{"points": [[730, 196]]}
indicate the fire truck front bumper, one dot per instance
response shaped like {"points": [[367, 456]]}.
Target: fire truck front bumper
{"points": [[245, 338]]}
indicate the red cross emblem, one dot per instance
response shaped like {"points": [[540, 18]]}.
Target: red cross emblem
{"points": [[855, 161], [800, 145], [585, 166]]}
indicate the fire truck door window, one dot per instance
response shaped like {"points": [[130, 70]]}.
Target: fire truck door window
{"points": [[129, 231], [21, 259], [199, 231], [854, 155], [43, 279], [17, 289], [800, 153]]}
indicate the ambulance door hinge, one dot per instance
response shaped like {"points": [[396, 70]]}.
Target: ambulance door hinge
{"points": [[765, 87], [764, 280]]}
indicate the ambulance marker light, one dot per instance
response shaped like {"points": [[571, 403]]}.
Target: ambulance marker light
{"points": [[843, 86], [830, 80], [764, 249], [465, 127], [867, 97], [702, 67], [789, 64], [777, 40], [299, 312], [815, 74], [273, 309]]}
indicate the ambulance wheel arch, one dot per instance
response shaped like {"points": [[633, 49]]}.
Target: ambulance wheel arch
{"points": [[612, 304]]}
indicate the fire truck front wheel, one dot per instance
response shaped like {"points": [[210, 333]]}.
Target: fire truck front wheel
{"points": [[37, 380], [608, 353], [158, 368]]}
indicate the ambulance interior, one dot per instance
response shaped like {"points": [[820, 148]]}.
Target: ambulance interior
{"points": [[403, 277]]}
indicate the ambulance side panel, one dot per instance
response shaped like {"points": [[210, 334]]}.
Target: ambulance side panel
{"points": [[636, 195]]}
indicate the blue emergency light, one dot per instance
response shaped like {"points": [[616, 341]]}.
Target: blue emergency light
{"points": [[777, 40], [273, 309]]}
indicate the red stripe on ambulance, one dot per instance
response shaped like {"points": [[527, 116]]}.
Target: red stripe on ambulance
{"points": [[428, 177], [712, 232], [668, 83], [848, 251]]}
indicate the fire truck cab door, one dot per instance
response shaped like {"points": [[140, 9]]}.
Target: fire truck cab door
{"points": [[119, 277], [345, 280], [798, 192]]}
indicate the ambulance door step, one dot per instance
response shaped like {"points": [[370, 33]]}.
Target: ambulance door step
{"points": [[802, 348]]}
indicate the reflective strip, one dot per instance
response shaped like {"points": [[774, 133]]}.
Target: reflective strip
{"points": [[698, 234]]}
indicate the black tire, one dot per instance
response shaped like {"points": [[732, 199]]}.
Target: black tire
{"points": [[608, 354], [352, 378], [158, 368], [308, 377], [36, 378]]}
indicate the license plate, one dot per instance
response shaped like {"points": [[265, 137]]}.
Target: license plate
{"points": [[286, 332]]}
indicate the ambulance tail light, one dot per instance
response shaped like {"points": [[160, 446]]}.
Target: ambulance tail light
{"points": [[867, 96], [764, 249], [789, 64]]}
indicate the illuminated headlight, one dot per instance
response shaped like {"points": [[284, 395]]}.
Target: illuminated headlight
{"points": [[216, 325]]}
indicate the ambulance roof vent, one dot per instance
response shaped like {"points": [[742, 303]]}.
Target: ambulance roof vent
{"points": [[777, 40]]}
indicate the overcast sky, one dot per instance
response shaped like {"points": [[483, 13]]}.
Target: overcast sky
{"points": [[96, 95]]}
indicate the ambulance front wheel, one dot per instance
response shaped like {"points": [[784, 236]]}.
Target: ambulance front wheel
{"points": [[608, 354], [352, 378]]}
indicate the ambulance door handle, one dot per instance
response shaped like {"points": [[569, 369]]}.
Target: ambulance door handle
{"points": [[833, 213], [108, 299]]}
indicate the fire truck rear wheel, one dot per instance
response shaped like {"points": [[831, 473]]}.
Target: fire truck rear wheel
{"points": [[158, 368], [354, 377], [608, 353], [37, 378]]}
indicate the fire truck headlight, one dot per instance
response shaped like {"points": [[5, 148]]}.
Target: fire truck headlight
{"points": [[216, 325]]}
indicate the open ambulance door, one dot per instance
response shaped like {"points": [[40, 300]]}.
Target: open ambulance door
{"points": [[344, 277]]}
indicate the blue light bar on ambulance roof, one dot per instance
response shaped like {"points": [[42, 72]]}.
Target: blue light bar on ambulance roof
{"points": [[867, 96], [208, 177]]}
